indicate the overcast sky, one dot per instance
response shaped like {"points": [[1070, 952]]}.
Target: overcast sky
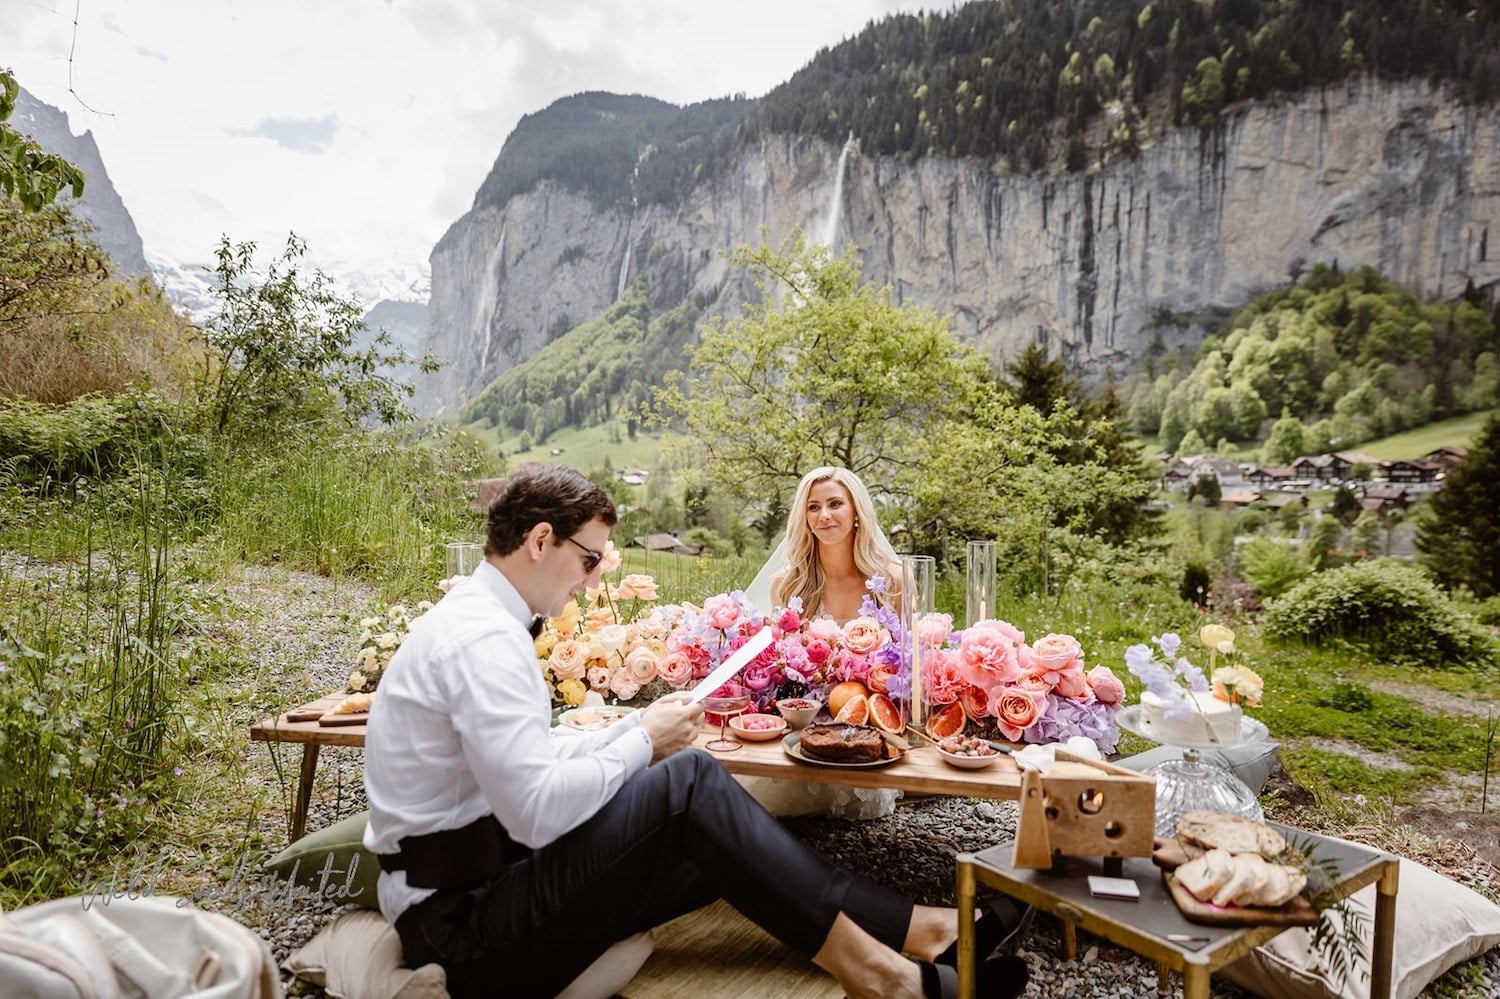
{"points": [[366, 126]]}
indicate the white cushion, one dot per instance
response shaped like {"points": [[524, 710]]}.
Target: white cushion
{"points": [[1439, 923], [358, 956]]}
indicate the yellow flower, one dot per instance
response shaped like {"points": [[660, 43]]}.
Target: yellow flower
{"points": [[544, 643], [1218, 638], [566, 623], [572, 692]]}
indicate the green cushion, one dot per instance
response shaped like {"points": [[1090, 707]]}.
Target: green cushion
{"points": [[333, 849]]}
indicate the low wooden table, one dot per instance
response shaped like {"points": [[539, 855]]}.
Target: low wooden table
{"points": [[1145, 926], [920, 771]]}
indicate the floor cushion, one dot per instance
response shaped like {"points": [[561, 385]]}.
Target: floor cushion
{"points": [[358, 956], [337, 849], [1439, 923]]}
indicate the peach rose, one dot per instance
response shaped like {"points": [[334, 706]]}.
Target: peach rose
{"points": [[722, 612], [641, 663], [637, 586], [1073, 684], [1106, 686], [675, 668], [1017, 710], [569, 659], [864, 635], [598, 617], [1056, 652], [624, 685]]}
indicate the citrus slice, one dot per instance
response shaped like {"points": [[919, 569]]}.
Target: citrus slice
{"points": [[883, 714], [841, 693], [946, 720], [880, 677], [856, 710]]}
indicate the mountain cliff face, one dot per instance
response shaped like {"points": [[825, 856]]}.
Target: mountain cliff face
{"points": [[1101, 266], [100, 205]]}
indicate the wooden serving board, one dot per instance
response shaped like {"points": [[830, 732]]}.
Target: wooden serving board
{"points": [[1295, 913], [314, 710], [354, 718]]}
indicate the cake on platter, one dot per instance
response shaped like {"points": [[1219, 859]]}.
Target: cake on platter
{"points": [[1211, 720]]}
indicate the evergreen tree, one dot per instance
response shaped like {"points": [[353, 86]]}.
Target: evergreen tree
{"points": [[1326, 532], [1345, 505], [1460, 540]]}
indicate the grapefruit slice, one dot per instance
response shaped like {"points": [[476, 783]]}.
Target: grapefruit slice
{"points": [[946, 720], [884, 715], [841, 693], [856, 710]]}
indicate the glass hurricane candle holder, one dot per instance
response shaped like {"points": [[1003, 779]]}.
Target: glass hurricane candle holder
{"points": [[980, 605], [917, 594], [462, 557]]}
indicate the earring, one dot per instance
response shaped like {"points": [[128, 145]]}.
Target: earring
{"points": [[856, 523]]}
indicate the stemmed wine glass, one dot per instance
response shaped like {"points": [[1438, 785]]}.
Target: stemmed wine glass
{"points": [[730, 699]]}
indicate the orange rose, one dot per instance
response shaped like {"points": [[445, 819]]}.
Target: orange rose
{"points": [[1017, 710], [863, 636]]}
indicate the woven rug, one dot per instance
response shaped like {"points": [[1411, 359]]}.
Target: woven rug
{"points": [[716, 952]]}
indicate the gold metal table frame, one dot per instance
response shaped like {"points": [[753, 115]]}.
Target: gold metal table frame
{"points": [[1143, 926]]}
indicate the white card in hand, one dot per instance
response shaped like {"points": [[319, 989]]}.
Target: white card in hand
{"points": [[729, 667]]}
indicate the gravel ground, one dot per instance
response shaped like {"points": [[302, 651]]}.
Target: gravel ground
{"points": [[294, 627]]}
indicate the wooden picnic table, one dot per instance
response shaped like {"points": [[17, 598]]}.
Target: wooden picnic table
{"points": [[919, 771]]}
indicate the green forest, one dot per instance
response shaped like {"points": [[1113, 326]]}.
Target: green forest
{"points": [[1350, 357], [1032, 85]]}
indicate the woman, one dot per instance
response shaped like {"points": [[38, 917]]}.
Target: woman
{"points": [[832, 547]]}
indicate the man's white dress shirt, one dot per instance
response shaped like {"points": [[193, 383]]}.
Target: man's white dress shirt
{"points": [[460, 728]]}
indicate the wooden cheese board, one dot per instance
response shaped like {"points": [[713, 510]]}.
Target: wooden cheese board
{"points": [[314, 710], [1295, 913], [328, 719]]}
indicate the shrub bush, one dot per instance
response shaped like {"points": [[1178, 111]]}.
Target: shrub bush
{"points": [[1385, 608], [1272, 567]]}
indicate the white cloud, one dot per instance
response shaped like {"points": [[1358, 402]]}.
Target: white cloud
{"points": [[208, 111]]}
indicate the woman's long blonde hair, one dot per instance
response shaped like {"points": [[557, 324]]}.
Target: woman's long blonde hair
{"points": [[804, 575]]}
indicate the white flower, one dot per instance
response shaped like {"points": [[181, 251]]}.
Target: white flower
{"points": [[370, 622], [388, 641]]}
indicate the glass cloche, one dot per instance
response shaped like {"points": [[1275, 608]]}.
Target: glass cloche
{"points": [[1191, 783]]}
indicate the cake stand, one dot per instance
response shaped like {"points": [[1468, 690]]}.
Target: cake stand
{"points": [[1193, 783]]}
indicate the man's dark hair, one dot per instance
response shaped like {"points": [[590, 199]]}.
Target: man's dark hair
{"points": [[533, 493]]}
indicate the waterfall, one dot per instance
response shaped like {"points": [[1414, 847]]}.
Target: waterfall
{"points": [[625, 260], [489, 291], [831, 227]]}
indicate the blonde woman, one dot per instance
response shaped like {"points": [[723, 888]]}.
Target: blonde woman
{"points": [[833, 546]]}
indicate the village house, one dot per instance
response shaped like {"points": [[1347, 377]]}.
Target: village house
{"points": [[1226, 470], [1265, 477], [1447, 457]]}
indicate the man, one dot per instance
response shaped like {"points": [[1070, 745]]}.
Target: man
{"points": [[514, 859]]}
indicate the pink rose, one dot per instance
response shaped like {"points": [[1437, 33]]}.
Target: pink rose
{"points": [[1017, 710], [722, 612], [864, 635], [758, 676], [934, 629], [675, 668], [1106, 686], [789, 621], [825, 630], [1034, 682], [637, 586], [611, 560], [1010, 631], [987, 655], [641, 663], [624, 685], [1073, 684], [599, 678], [818, 651], [569, 659], [941, 682]]}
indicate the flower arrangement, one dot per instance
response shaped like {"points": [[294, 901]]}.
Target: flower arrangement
{"points": [[1173, 677], [987, 674], [805, 657], [380, 637], [612, 641]]}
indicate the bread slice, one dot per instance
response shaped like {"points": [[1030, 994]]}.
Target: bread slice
{"points": [[1234, 833]]}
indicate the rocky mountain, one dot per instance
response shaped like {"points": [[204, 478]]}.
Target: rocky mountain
{"points": [[100, 205]]}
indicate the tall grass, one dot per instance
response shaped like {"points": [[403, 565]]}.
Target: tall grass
{"points": [[89, 683]]}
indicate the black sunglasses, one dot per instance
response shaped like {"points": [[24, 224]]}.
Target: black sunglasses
{"points": [[591, 558]]}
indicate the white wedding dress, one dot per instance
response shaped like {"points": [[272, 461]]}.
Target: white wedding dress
{"points": [[787, 797]]}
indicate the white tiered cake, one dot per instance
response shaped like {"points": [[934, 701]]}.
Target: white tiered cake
{"points": [[1211, 721]]}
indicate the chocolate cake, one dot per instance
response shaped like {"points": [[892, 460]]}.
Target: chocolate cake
{"points": [[843, 743]]}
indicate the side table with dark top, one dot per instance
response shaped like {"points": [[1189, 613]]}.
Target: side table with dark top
{"points": [[1147, 926]]}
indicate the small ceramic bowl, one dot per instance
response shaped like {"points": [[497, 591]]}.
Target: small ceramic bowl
{"points": [[798, 711], [757, 728], [967, 761]]}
